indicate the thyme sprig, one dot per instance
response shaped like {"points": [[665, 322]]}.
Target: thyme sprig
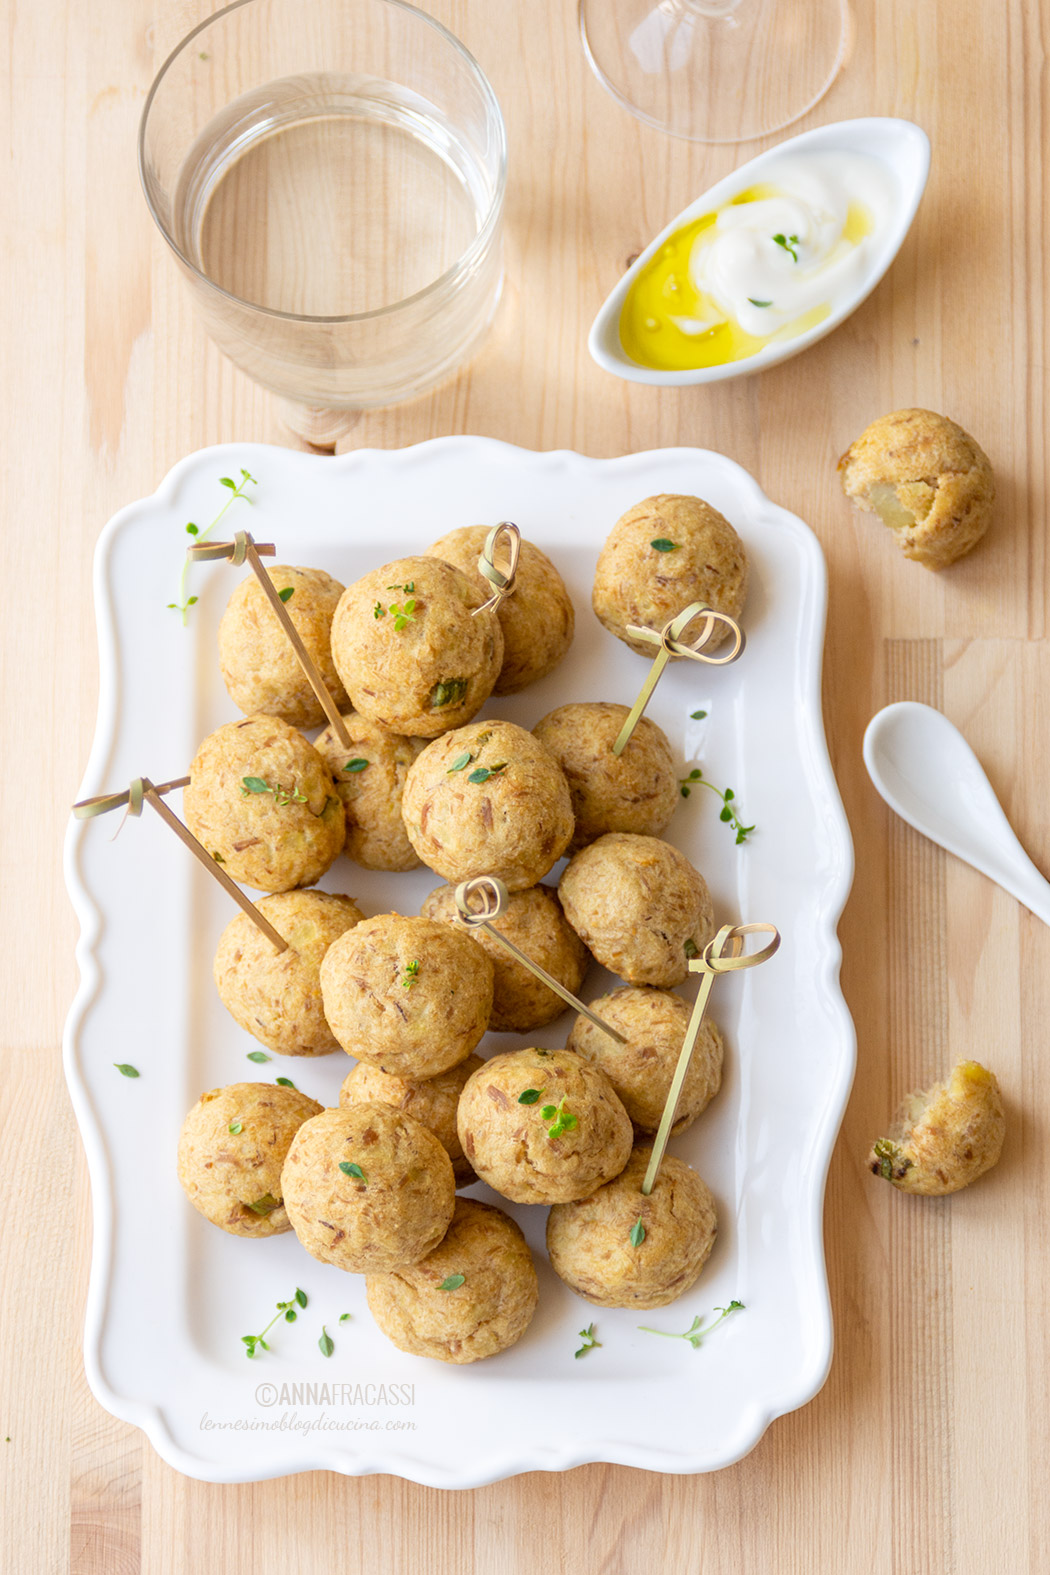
{"points": [[728, 812], [236, 490], [285, 1310], [281, 795], [696, 1334]]}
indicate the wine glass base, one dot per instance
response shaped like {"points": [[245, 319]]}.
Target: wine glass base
{"points": [[717, 71]]}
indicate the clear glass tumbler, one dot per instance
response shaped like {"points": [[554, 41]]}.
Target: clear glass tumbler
{"points": [[330, 175]]}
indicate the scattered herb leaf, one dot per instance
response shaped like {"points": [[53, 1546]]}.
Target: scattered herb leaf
{"points": [[287, 594], [697, 716], [258, 1055], [452, 1283], [448, 692], [788, 243], [344, 1317], [218, 858], [326, 1345], [300, 1297], [531, 1096], [760, 303], [483, 773], [125, 1070], [350, 1169], [356, 765], [184, 602], [691, 949], [589, 1342], [637, 1232], [460, 762], [236, 1127], [727, 813], [285, 1082], [663, 545], [695, 1334]]}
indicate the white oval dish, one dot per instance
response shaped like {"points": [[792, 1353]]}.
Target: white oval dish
{"points": [[899, 144]]}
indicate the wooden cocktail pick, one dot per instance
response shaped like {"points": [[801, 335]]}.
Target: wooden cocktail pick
{"points": [[723, 954], [483, 899], [501, 580], [143, 791], [244, 549], [670, 642]]}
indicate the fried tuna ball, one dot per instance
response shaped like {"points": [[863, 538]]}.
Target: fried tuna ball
{"points": [[368, 1189], [259, 667], [926, 479], [946, 1137], [472, 1297], [634, 791], [661, 555], [543, 1126], [590, 1242], [408, 650], [654, 1023], [370, 779], [232, 1149], [433, 1101], [263, 803], [410, 996], [533, 920], [277, 995], [639, 906], [488, 799], [537, 618]]}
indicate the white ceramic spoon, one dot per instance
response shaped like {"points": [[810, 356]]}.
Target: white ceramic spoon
{"points": [[898, 144], [926, 771]]}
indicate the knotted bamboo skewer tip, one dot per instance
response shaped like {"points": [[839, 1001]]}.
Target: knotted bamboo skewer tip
{"points": [[670, 641], [483, 899], [143, 791]]}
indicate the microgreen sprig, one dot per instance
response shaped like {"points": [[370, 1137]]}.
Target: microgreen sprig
{"points": [[695, 1334], [561, 1120], [281, 795], [408, 587], [402, 615], [789, 244], [728, 812], [256, 1342], [237, 490], [411, 974], [589, 1342]]}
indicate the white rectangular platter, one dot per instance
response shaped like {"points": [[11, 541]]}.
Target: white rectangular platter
{"points": [[170, 1296]]}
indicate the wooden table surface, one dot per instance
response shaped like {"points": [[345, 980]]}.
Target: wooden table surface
{"points": [[927, 1448]]}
